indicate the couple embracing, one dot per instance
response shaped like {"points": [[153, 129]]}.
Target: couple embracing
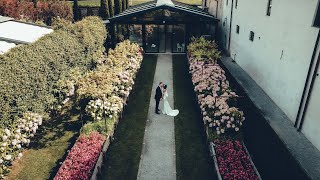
{"points": [[162, 94]]}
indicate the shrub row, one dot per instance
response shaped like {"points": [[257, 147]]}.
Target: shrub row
{"points": [[82, 157], [214, 94], [217, 100], [32, 76], [44, 11], [107, 88], [103, 91]]}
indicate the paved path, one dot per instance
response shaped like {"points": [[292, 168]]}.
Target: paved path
{"points": [[158, 160]]}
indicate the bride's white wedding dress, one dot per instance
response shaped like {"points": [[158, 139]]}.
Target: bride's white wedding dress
{"points": [[166, 109]]}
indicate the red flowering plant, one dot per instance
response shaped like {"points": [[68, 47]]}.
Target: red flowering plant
{"points": [[44, 11], [81, 158], [233, 162]]}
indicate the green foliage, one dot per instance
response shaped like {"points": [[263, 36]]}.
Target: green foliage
{"points": [[96, 84], [124, 5], [103, 91], [202, 49], [104, 9], [103, 126], [117, 7], [111, 10], [29, 73]]}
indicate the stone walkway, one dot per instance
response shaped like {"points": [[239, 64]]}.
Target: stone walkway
{"points": [[158, 160]]}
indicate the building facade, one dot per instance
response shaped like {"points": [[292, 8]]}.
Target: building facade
{"points": [[276, 43]]}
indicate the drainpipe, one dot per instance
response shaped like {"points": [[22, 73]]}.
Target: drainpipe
{"points": [[230, 29], [304, 103]]}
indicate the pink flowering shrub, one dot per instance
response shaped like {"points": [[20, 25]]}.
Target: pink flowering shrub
{"points": [[233, 161], [81, 158], [214, 94]]}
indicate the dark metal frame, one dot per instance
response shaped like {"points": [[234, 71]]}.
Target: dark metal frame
{"points": [[126, 18]]}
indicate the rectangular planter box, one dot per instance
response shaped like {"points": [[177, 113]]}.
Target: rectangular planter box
{"points": [[212, 149]]}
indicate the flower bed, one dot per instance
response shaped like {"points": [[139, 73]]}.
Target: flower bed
{"points": [[233, 161], [214, 93], [105, 90], [220, 115], [82, 157]]}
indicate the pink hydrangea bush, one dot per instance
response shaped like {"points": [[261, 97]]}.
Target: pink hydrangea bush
{"points": [[214, 96], [233, 161], [81, 158]]}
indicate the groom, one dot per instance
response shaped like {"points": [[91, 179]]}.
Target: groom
{"points": [[158, 97]]}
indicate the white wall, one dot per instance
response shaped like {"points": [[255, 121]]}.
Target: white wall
{"points": [[225, 19], [223, 15], [286, 32], [311, 125], [279, 57]]}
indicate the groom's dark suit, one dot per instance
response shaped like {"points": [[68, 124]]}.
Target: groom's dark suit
{"points": [[158, 97]]}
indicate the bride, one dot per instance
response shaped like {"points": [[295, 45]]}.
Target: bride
{"points": [[166, 109]]}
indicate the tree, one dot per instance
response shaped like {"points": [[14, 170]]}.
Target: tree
{"points": [[120, 6], [127, 4], [124, 5], [76, 10], [104, 9], [111, 10], [117, 7]]}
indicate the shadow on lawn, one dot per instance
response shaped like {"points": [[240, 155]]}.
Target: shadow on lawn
{"points": [[193, 160], [55, 128], [123, 156]]}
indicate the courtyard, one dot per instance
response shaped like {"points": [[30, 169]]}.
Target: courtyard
{"points": [[78, 93]]}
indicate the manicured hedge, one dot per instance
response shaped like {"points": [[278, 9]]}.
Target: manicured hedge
{"points": [[28, 73], [32, 80]]}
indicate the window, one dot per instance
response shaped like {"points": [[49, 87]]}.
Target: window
{"points": [[237, 29], [236, 4], [227, 2], [251, 37], [316, 21], [269, 7]]}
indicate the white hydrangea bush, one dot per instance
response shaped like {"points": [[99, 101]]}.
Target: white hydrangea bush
{"points": [[104, 108], [15, 138]]}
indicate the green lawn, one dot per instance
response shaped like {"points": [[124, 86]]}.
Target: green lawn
{"points": [[41, 160], [123, 156], [192, 161]]}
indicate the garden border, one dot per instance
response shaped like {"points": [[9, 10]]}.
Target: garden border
{"points": [[108, 141], [212, 149]]}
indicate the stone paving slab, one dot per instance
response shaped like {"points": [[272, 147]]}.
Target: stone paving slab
{"points": [[158, 160]]}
